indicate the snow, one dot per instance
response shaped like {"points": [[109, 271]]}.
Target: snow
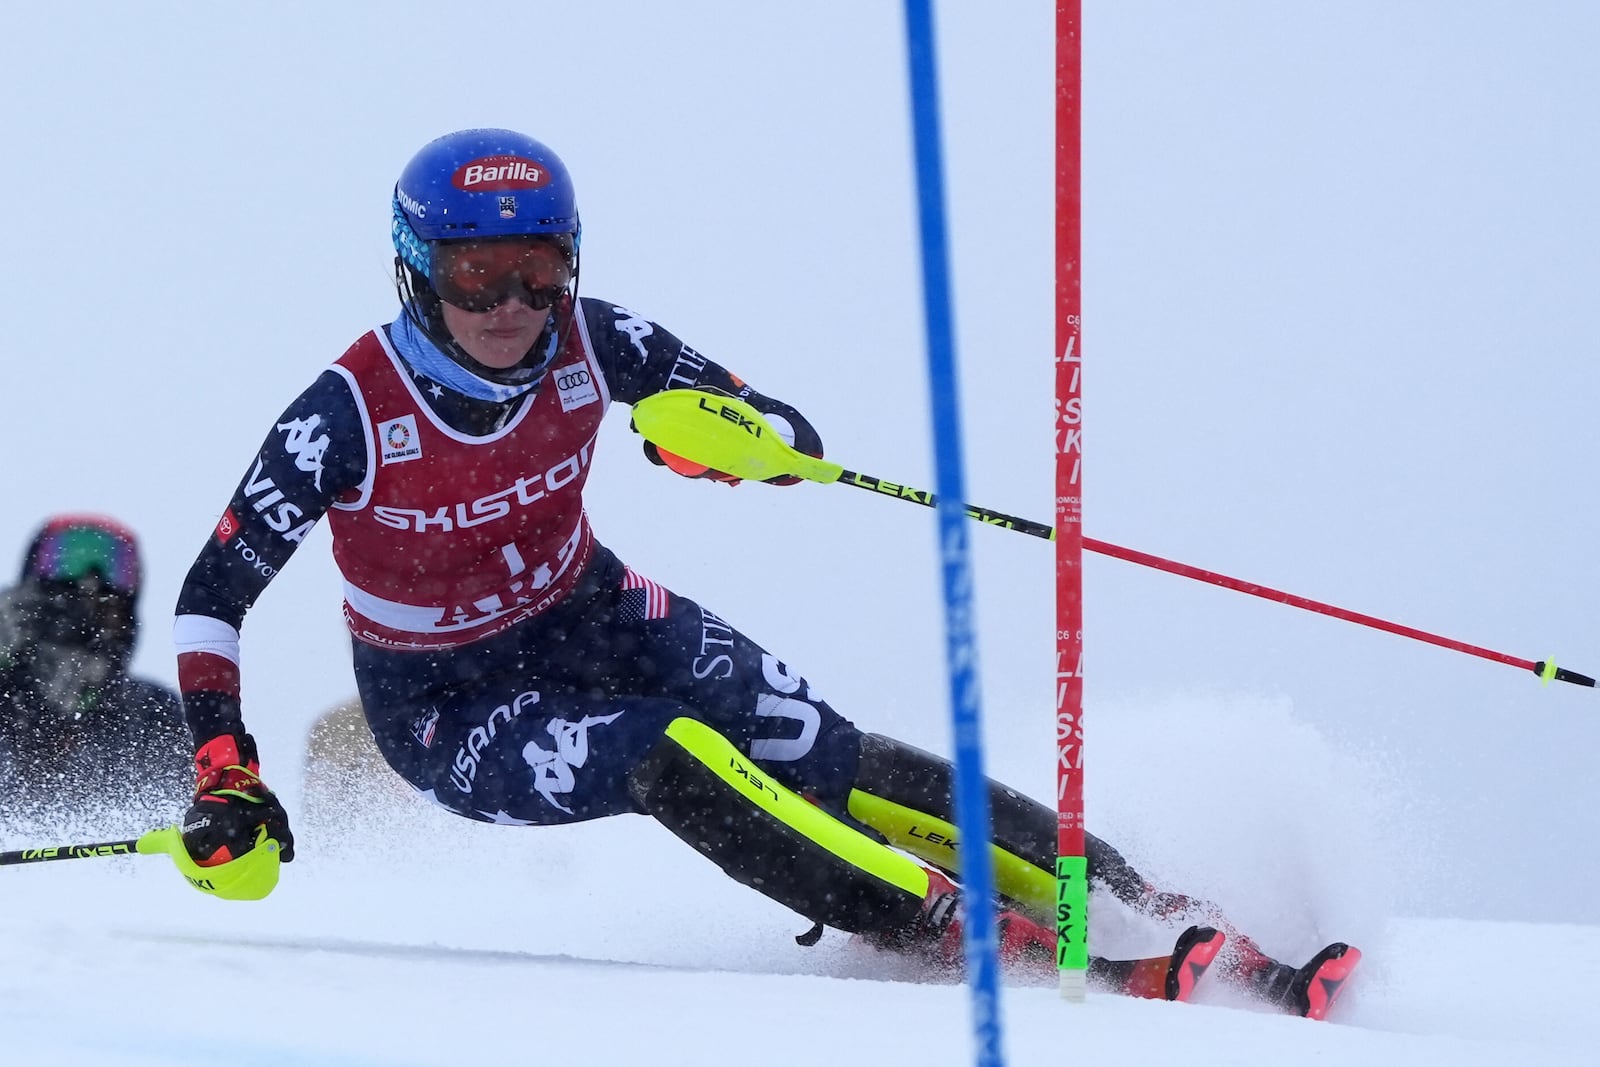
{"points": [[1339, 267], [366, 963]]}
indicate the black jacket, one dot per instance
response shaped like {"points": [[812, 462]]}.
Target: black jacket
{"points": [[125, 750]]}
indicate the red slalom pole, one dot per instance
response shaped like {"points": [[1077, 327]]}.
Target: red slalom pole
{"points": [[1068, 648], [697, 425], [1072, 866], [1069, 639], [1546, 670]]}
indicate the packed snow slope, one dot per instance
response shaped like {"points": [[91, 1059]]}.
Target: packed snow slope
{"points": [[403, 936], [1338, 270]]}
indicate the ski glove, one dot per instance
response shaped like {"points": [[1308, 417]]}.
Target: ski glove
{"points": [[686, 467], [790, 424], [231, 803]]}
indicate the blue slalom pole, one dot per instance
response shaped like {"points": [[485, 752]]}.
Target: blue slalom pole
{"points": [[961, 645]]}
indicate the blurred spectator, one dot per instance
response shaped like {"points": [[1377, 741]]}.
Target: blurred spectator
{"points": [[77, 731]]}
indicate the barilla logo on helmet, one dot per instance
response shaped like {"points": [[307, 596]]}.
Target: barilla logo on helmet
{"points": [[499, 174]]}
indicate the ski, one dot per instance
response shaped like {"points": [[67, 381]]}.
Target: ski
{"points": [[1309, 990], [1170, 977]]}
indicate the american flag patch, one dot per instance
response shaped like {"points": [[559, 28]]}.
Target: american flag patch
{"points": [[642, 599], [425, 726]]}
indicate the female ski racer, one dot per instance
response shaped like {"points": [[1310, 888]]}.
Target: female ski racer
{"points": [[513, 670]]}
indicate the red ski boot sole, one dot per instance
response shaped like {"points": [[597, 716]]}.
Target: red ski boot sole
{"points": [[1161, 977], [1320, 982], [1191, 956]]}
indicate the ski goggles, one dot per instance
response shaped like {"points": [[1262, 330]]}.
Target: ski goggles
{"points": [[68, 552], [481, 275]]}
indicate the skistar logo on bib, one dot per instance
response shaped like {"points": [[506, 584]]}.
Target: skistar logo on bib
{"points": [[499, 174], [399, 441]]}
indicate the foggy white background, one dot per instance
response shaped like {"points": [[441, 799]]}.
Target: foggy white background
{"points": [[1339, 272]]}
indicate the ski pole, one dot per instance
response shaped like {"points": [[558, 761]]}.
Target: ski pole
{"points": [[729, 435], [69, 852], [249, 877]]}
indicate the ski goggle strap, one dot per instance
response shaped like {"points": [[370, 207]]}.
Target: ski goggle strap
{"points": [[70, 549]]}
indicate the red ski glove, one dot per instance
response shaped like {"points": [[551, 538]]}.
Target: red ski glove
{"points": [[790, 425], [686, 467], [231, 803]]}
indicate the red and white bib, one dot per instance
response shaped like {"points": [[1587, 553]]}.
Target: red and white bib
{"points": [[453, 538]]}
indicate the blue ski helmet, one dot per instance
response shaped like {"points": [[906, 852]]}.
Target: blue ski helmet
{"points": [[477, 184], [483, 184]]}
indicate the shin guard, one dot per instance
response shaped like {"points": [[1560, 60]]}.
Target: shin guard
{"points": [[904, 793], [695, 783]]}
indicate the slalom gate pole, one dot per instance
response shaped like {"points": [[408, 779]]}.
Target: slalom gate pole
{"points": [[1072, 865], [731, 436], [961, 647], [1546, 669]]}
